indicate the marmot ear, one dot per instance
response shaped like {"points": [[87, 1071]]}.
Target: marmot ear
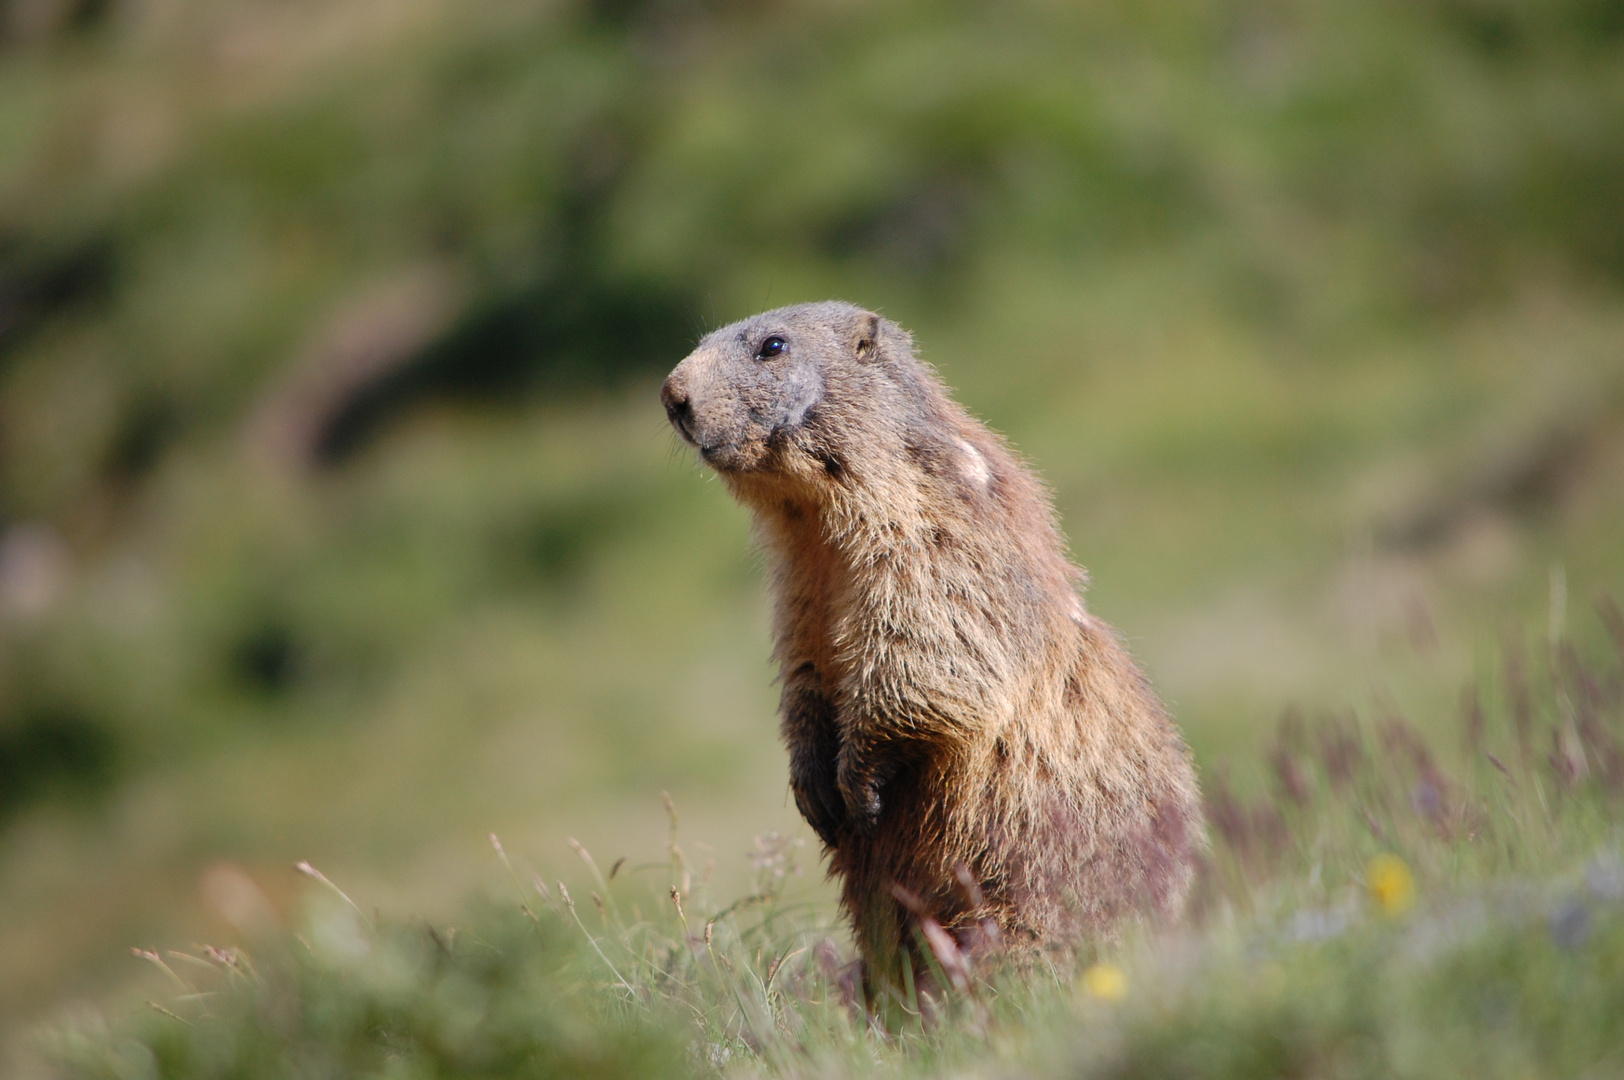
{"points": [[867, 337]]}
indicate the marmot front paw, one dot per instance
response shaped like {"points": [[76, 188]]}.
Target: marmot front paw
{"points": [[861, 793], [818, 799]]}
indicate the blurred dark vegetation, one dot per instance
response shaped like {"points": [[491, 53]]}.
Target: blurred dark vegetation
{"points": [[328, 334]]}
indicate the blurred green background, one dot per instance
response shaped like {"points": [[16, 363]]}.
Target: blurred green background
{"points": [[339, 519]]}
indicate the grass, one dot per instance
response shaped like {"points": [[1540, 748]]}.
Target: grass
{"points": [[1384, 906]]}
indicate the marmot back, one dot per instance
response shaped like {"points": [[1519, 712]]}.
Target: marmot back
{"points": [[967, 740]]}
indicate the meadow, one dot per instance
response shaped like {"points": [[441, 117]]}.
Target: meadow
{"points": [[339, 523], [1388, 908]]}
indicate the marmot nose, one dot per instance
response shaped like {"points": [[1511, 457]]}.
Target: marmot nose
{"points": [[677, 406]]}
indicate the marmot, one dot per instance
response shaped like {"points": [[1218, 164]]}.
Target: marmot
{"points": [[967, 740]]}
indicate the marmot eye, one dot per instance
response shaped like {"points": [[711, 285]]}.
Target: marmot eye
{"points": [[771, 347]]}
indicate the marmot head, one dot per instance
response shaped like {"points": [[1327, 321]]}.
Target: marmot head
{"points": [[784, 391]]}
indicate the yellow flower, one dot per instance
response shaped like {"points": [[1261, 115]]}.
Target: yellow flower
{"points": [[1105, 981], [1391, 884]]}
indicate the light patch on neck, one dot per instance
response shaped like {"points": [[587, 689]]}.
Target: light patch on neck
{"points": [[1077, 614], [974, 465]]}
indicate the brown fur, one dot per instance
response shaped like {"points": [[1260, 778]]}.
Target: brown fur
{"points": [[948, 702]]}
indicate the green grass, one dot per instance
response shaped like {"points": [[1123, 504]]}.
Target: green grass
{"points": [[1387, 906]]}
